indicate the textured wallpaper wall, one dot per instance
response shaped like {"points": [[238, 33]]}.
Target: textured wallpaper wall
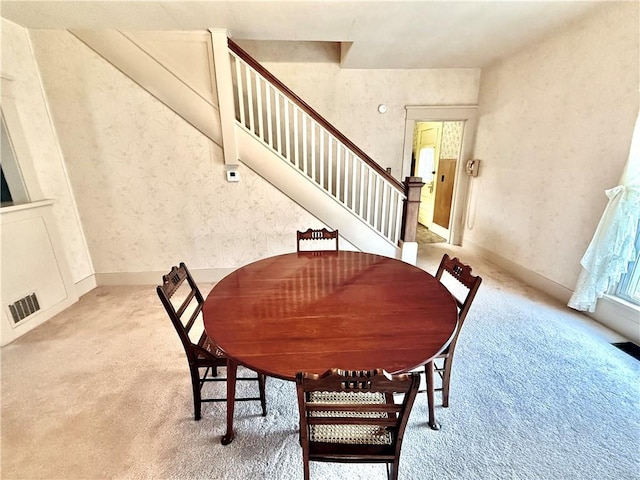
{"points": [[151, 190], [451, 139], [554, 132], [19, 65]]}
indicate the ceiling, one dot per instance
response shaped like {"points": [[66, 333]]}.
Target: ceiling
{"points": [[373, 34]]}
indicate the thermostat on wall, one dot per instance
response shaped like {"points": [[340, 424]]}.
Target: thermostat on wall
{"points": [[232, 173]]}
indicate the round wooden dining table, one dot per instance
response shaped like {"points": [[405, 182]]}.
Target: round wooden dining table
{"points": [[312, 311]]}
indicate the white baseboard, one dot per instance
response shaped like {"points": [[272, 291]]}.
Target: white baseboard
{"points": [[534, 279], [205, 275], [85, 285], [613, 313]]}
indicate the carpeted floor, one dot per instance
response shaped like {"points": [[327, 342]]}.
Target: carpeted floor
{"points": [[102, 392]]}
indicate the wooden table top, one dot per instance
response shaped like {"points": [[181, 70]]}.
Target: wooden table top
{"points": [[311, 312]]}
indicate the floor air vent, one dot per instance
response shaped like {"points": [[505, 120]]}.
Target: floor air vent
{"points": [[629, 348], [24, 307]]}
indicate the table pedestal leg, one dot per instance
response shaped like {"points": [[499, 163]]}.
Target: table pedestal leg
{"points": [[431, 396], [232, 368]]}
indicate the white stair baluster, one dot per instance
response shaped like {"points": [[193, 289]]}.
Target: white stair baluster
{"points": [[278, 126], [269, 119], [322, 160], [240, 90], [313, 150], [376, 210], [296, 137], [354, 177], [384, 226], [362, 206], [304, 144], [250, 101], [398, 218], [338, 175], [287, 130], [259, 84], [329, 167]]}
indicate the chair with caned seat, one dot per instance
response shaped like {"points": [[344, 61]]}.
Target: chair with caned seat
{"points": [[317, 236], [442, 363], [183, 302], [353, 417]]}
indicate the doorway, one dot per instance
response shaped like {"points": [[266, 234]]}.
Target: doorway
{"points": [[437, 147], [438, 141]]}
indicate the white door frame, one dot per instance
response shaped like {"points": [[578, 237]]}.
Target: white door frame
{"points": [[465, 113]]}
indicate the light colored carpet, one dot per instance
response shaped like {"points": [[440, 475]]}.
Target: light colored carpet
{"points": [[102, 391]]}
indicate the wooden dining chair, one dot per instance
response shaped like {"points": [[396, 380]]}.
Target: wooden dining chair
{"points": [[314, 236], [442, 363], [352, 417], [183, 303]]}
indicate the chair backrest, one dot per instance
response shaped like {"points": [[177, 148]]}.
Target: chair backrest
{"points": [[183, 303], [342, 409], [462, 273], [317, 234]]}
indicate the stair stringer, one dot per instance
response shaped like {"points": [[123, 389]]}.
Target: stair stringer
{"points": [[293, 183], [156, 77]]}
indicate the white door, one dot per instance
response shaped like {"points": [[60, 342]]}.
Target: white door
{"points": [[428, 137]]}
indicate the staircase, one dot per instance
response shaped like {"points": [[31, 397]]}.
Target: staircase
{"points": [[263, 124]]}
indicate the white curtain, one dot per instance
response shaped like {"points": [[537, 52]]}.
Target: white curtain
{"points": [[613, 244]]}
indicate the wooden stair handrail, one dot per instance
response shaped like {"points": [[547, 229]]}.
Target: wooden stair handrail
{"points": [[235, 48]]}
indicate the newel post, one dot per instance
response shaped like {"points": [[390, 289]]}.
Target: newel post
{"points": [[413, 187]]}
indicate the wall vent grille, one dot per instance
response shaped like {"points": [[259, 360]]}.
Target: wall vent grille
{"points": [[24, 307]]}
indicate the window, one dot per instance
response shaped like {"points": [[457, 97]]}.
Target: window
{"points": [[13, 191], [19, 180], [4, 189], [629, 286]]}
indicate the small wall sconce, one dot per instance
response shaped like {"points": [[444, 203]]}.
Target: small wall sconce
{"points": [[382, 108]]}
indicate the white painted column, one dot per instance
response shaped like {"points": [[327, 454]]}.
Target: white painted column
{"points": [[224, 86]]}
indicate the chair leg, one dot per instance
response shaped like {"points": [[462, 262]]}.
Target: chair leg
{"points": [[392, 470], [263, 397], [428, 370], [305, 465], [197, 399], [446, 381]]}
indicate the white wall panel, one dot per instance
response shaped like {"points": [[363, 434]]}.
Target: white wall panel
{"points": [[33, 262]]}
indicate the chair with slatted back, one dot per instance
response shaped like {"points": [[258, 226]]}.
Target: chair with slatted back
{"points": [[315, 236], [352, 416], [183, 302], [441, 364]]}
